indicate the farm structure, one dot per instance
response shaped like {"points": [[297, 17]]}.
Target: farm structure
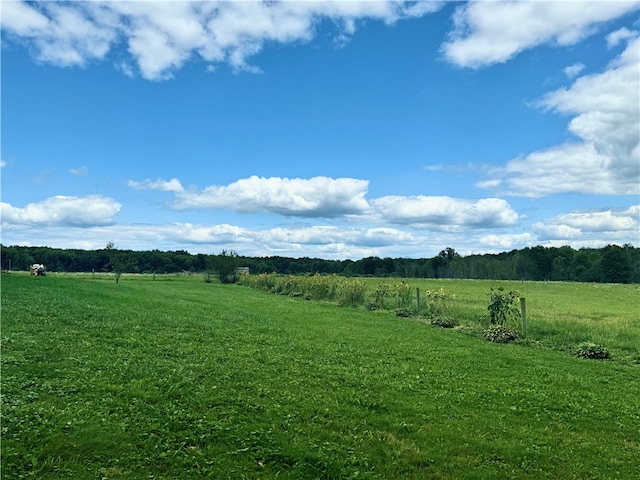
{"points": [[37, 269]]}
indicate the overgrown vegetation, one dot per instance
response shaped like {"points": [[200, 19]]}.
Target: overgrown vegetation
{"points": [[582, 316], [225, 266], [439, 303], [592, 350], [176, 378], [499, 333], [503, 306]]}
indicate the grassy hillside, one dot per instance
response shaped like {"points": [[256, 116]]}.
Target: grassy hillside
{"points": [[176, 378]]}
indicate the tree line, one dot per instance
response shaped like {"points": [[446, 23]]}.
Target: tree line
{"points": [[610, 264]]}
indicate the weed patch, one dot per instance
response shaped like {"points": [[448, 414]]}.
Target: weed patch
{"points": [[500, 334], [592, 351]]}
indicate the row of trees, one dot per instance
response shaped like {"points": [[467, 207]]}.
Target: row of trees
{"points": [[613, 263]]}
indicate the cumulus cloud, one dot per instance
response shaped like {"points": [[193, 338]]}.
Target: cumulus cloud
{"points": [[486, 33], [606, 121], [323, 197], [63, 211], [506, 241], [581, 224], [162, 36], [314, 197], [429, 212], [64, 35]]}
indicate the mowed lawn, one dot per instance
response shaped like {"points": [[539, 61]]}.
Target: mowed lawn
{"points": [[176, 378]]}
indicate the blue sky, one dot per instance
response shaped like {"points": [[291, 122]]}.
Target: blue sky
{"points": [[321, 129]]}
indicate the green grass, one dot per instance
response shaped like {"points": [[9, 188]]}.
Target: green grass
{"points": [[560, 314], [176, 378]]}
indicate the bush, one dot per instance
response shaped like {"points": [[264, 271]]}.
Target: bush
{"points": [[225, 265], [592, 351], [443, 322], [500, 334]]}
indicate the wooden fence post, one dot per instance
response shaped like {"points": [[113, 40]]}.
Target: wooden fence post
{"points": [[523, 310], [418, 297]]}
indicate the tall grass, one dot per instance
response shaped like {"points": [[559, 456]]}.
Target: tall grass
{"points": [[346, 291]]}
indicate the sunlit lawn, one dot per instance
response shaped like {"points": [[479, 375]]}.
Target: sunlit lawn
{"points": [[176, 378]]}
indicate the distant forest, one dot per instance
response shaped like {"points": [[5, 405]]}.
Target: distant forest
{"points": [[610, 264]]}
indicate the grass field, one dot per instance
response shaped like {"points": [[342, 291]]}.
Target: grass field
{"points": [[177, 378], [560, 315]]}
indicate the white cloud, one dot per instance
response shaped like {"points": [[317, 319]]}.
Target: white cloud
{"points": [[324, 241], [314, 197], [596, 227], [506, 241], [79, 172], [316, 241], [64, 35], [606, 121], [573, 70], [432, 212], [601, 221], [323, 197], [622, 35], [556, 232], [172, 185], [486, 33], [453, 167], [22, 19], [64, 211], [3, 164], [162, 36]]}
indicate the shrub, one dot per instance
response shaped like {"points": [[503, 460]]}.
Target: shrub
{"points": [[592, 351], [502, 306], [500, 334], [225, 265], [443, 322]]}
